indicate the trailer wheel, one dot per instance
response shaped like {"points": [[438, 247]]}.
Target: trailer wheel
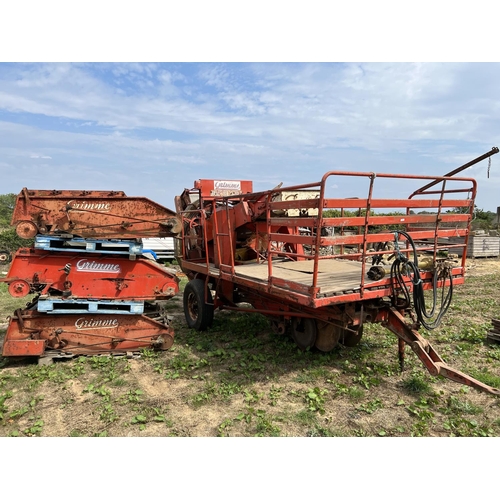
{"points": [[4, 258], [304, 332], [199, 315], [328, 335], [351, 337]]}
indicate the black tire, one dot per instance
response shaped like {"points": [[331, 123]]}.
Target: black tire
{"points": [[4, 258], [304, 332], [199, 314]]}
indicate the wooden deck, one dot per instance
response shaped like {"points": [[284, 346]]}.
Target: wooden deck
{"points": [[335, 276]]}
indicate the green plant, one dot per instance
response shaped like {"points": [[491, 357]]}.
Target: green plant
{"points": [[141, 420], [371, 406], [416, 383], [315, 399], [274, 395], [421, 410], [108, 414], [265, 425], [35, 429], [3, 407], [224, 427]]}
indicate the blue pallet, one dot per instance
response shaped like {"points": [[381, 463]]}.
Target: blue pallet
{"points": [[121, 247], [82, 306]]}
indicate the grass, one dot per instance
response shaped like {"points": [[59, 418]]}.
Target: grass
{"points": [[9, 304], [240, 379]]}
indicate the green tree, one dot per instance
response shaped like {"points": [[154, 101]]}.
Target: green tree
{"points": [[7, 203], [9, 240]]}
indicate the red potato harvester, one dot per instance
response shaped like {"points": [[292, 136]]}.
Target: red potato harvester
{"points": [[90, 214], [320, 266], [87, 275], [31, 333]]}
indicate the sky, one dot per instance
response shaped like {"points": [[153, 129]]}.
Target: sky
{"points": [[280, 107], [152, 129]]}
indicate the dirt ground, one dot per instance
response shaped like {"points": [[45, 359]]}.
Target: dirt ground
{"points": [[74, 406], [480, 267]]}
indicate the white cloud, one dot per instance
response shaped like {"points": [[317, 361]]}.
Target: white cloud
{"points": [[44, 157], [285, 122]]}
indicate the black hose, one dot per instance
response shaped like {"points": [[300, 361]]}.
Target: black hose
{"points": [[403, 267]]}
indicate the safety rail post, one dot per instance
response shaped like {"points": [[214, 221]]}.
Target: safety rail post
{"points": [[321, 201], [203, 216], [269, 247], [438, 220], [365, 234], [471, 196]]}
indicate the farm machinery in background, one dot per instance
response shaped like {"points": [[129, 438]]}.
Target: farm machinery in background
{"points": [[94, 291], [320, 267]]}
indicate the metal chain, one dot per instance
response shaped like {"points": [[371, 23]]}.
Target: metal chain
{"points": [[489, 166]]}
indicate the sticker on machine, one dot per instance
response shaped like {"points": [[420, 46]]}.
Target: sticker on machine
{"points": [[91, 266], [95, 324], [226, 188]]}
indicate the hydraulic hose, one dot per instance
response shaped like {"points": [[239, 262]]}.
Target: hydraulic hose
{"points": [[403, 267]]}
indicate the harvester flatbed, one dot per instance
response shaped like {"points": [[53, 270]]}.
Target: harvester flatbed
{"points": [[319, 266], [338, 280]]}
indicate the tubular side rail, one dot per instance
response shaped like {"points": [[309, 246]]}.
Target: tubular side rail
{"points": [[426, 229]]}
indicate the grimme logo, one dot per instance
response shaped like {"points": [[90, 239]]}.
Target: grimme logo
{"points": [[233, 185], [91, 266], [85, 205], [95, 324]]}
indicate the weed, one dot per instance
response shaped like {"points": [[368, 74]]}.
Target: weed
{"points": [[420, 409], [223, 391], [456, 405], [158, 416], [104, 392], [460, 426], [416, 383], [371, 406], [247, 415], [274, 395], [77, 433], [251, 396], [366, 381], [140, 420], [3, 407], [305, 417], [315, 399], [132, 396], [183, 362], [119, 382], [355, 392], [19, 412], [224, 427], [35, 429], [108, 414], [265, 426]]}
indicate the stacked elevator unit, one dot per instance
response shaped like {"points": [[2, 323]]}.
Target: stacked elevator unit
{"points": [[93, 289]]}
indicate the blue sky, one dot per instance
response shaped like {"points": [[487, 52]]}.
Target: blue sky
{"points": [[152, 128]]}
